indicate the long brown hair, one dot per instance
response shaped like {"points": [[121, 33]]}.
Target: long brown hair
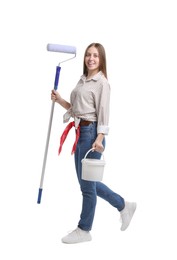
{"points": [[102, 58]]}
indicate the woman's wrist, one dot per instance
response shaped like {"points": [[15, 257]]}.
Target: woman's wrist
{"points": [[100, 137]]}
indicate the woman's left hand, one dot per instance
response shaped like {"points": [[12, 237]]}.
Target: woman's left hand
{"points": [[97, 145]]}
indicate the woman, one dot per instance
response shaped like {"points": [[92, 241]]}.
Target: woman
{"points": [[89, 107]]}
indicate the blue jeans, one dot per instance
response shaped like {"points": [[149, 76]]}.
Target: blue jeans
{"points": [[90, 189]]}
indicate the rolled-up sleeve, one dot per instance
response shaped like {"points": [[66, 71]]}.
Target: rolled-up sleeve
{"points": [[102, 99]]}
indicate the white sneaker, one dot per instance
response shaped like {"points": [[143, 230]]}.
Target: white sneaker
{"points": [[127, 214], [77, 236]]}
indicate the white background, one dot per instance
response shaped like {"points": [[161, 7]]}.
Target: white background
{"points": [[140, 41]]}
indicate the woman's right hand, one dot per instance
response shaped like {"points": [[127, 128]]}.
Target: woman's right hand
{"points": [[55, 96]]}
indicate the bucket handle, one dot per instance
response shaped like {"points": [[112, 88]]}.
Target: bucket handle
{"points": [[92, 149]]}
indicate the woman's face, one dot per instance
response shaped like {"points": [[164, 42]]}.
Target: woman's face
{"points": [[92, 60]]}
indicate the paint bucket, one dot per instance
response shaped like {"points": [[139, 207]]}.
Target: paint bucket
{"points": [[92, 169]]}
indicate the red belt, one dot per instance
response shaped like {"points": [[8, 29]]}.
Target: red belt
{"points": [[64, 135], [66, 131]]}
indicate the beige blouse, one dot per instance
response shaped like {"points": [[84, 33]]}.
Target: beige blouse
{"points": [[90, 100]]}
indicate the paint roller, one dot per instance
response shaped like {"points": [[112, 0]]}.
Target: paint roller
{"points": [[61, 49]]}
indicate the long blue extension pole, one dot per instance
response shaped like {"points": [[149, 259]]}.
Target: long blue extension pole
{"points": [[57, 75]]}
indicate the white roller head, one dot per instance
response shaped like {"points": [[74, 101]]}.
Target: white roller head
{"points": [[61, 48]]}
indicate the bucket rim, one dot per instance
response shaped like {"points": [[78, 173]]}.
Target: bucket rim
{"points": [[93, 161]]}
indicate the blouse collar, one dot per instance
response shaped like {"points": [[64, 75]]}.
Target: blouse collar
{"points": [[95, 77]]}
